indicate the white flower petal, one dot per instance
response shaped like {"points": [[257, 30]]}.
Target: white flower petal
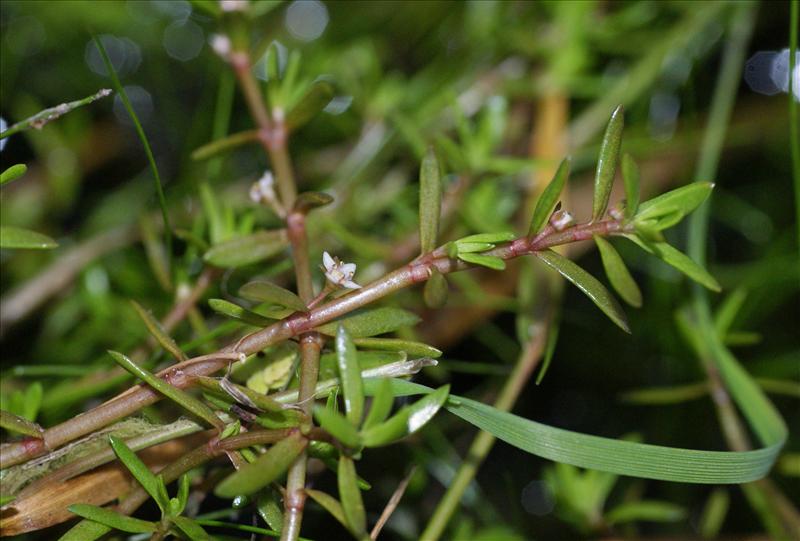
{"points": [[348, 269], [328, 261], [349, 284]]}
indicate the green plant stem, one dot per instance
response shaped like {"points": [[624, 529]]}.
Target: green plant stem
{"points": [[743, 21], [484, 441], [181, 375]]}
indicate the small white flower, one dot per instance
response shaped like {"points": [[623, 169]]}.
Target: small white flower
{"points": [[233, 5], [264, 189], [560, 220], [221, 45], [339, 273]]}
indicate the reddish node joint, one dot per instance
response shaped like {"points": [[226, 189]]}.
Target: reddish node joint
{"points": [[419, 272], [519, 247], [33, 446]]}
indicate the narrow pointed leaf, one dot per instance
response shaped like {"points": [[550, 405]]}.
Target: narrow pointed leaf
{"points": [[6, 499], [652, 511], [621, 280], [247, 249], [40, 119], [234, 311], [666, 395], [307, 201], [550, 195], [338, 426], [630, 177], [191, 529], [675, 258], [381, 405], [270, 508], [350, 495], [158, 332], [588, 284], [714, 513], [549, 349], [330, 504], [112, 518], [225, 144], [85, 530], [266, 469], [436, 290], [413, 349], [503, 236], [262, 291], [430, 201], [372, 322], [318, 96], [179, 396], [13, 173], [406, 421], [607, 163], [350, 374], [139, 470], [682, 201], [20, 425], [727, 312], [16, 237], [489, 261], [472, 247], [242, 394]]}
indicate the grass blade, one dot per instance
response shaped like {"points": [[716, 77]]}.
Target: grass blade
{"points": [[143, 138]]}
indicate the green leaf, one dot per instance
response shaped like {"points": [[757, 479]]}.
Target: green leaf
{"points": [[179, 396], [316, 98], [350, 376], [308, 201], [267, 468], [234, 311], [85, 530], [549, 349], [679, 202], [488, 238], [371, 322], [633, 458], [8, 498], [490, 261], [728, 310], [675, 394], [607, 163], [412, 349], [247, 249], [250, 397], [630, 177], [430, 201], [225, 144], [406, 421], [330, 504], [15, 423], [183, 491], [41, 118], [652, 511], [714, 513], [261, 291], [113, 519], [350, 495], [547, 201], [142, 137], [472, 247], [16, 237], [675, 258], [621, 280], [150, 483], [158, 332], [270, 508], [381, 405], [588, 284], [191, 528], [338, 427], [13, 173]]}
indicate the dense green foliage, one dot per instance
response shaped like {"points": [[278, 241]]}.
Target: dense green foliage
{"points": [[193, 213]]}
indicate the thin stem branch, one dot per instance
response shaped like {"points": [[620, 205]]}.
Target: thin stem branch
{"points": [[181, 374]]}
